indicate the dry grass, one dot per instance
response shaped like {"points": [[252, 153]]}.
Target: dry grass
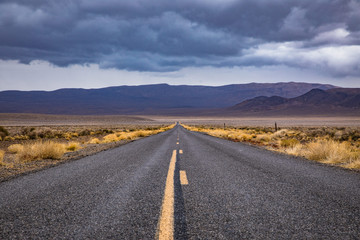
{"points": [[133, 134], [110, 138], [31, 144], [337, 146], [328, 151], [41, 150], [55, 150], [263, 138], [94, 141], [2, 153], [73, 146], [289, 143], [15, 148], [353, 165]]}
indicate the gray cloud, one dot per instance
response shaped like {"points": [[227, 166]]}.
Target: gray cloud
{"points": [[166, 35]]}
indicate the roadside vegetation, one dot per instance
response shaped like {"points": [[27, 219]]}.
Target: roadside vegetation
{"points": [[2, 157], [22, 147], [331, 145]]}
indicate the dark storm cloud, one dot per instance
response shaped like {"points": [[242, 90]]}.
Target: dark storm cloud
{"points": [[169, 35]]}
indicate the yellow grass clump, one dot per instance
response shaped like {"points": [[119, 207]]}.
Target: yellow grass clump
{"points": [[330, 151], [327, 151], [353, 164], [42, 150], [279, 134], [110, 138], [263, 138], [15, 148], [94, 141], [73, 146], [289, 142], [143, 133], [2, 153], [295, 150]]}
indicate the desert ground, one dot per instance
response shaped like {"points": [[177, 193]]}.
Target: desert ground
{"points": [[10, 119], [281, 121]]}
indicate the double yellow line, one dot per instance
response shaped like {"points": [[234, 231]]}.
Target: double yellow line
{"points": [[165, 228]]}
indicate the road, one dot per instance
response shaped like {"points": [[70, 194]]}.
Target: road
{"points": [[208, 188]]}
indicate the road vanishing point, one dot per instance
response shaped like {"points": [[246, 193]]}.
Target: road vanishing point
{"points": [[183, 185]]}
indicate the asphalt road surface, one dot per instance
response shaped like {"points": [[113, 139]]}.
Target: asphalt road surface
{"points": [[208, 188]]}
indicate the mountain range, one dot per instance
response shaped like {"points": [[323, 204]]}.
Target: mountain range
{"points": [[335, 101], [235, 99]]}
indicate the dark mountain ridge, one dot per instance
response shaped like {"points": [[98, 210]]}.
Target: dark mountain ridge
{"points": [[315, 102], [144, 99]]}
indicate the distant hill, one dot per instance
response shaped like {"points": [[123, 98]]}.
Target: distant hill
{"points": [[145, 99], [336, 101]]}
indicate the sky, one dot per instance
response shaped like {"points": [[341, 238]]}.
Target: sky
{"points": [[47, 45]]}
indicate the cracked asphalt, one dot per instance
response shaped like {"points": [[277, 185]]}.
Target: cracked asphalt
{"points": [[235, 191]]}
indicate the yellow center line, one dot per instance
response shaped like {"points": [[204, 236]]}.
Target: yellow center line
{"points": [[165, 228], [183, 178], [177, 143], [181, 151]]}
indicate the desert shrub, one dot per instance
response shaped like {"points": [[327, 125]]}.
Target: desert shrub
{"points": [[73, 146], [15, 148], [61, 135], [289, 142], [41, 150], [141, 134], [85, 132], [3, 132], [245, 137], [107, 131], [94, 141], [45, 134], [110, 138], [330, 151], [354, 136], [263, 137], [33, 135], [296, 150], [27, 131], [21, 137], [280, 134], [2, 153], [124, 135], [355, 164], [9, 138], [67, 135]]}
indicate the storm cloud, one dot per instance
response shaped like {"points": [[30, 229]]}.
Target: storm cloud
{"points": [[162, 36]]}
